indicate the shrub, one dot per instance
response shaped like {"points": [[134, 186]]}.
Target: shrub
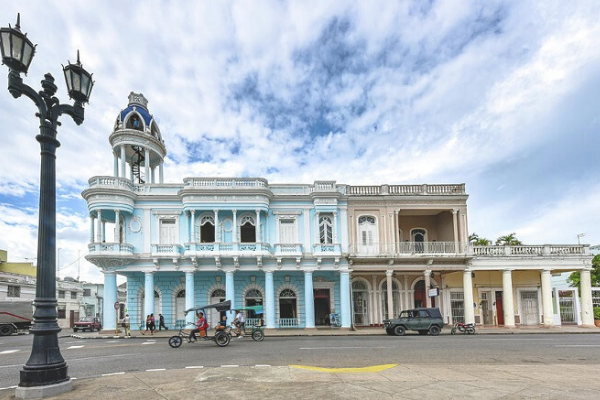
{"points": [[597, 313]]}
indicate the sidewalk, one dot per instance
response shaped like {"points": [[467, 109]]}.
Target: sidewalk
{"points": [[344, 332]]}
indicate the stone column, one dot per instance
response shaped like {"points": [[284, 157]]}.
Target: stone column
{"points": [[116, 165], [427, 274], [257, 227], [147, 165], [234, 228], [193, 226], [153, 169], [92, 228], [468, 296], [148, 293], [123, 162], [110, 298], [160, 172], [508, 303], [217, 230], [99, 227], [118, 226], [346, 317], [189, 296], [587, 307], [230, 294], [269, 300], [309, 299], [455, 224], [390, 294], [547, 307]]}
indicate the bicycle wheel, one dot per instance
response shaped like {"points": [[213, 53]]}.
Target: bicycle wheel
{"points": [[258, 335], [453, 331], [222, 339], [175, 341]]}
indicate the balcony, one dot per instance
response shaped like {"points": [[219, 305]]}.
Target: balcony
{"points": [[226, 249], [288, 249], [536, 250], [409, 249], [111, 182], [327, 249], [110, 248], [167, 250]]}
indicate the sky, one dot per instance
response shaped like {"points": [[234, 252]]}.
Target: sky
{"points": [[503, 96]]}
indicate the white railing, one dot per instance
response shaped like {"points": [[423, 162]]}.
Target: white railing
{"points": [[288, 322], [166, 249], [327, 248], [226, 247], [535, 250], [288, 248], [110, 248], [225, 182], [408, 190], [408, 249], [111, 181]]}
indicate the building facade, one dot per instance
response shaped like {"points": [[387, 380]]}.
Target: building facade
{"points": [[303, 251]]}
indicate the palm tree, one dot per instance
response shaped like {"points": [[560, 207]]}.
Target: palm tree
{"points": [[508, 240], [475, 240]]}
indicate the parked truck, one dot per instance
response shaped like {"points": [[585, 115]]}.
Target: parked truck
{"points": [[15, 316]]}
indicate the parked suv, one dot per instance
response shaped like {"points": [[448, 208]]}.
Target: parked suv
{"points": [[87, 323], [423, 320]]}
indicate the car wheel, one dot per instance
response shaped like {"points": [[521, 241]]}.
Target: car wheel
{"points": [[175, 341], [6, 330], [399, 330], [434, 330], [422, 332], [389, 331]]}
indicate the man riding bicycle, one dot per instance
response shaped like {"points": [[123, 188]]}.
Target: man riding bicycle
{"points": [[239, 322], [201, 327]]}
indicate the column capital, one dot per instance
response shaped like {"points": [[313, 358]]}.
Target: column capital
{"points": [[427, 272], [455, 211], [547, 270], [215, 210], [389, 273], [308, 270]]}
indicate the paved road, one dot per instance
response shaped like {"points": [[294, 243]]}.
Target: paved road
{"points": [[95, 357]]}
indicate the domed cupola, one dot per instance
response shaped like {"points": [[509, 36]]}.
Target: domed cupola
{"points": [[137, 144]]}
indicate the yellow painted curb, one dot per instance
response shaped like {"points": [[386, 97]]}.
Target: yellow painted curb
{"points": [[373, 368]]}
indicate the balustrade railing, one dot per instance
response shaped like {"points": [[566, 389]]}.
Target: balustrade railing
{"points": [[225, 182], [122, 248], [407, 190], [327, 248], [533, 250], [166, 249], [287, 322], [409, 248], [111, 181], [288, 248]]}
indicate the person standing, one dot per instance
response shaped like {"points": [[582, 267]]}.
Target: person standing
{"points": [[152, 324], [161, 323], [127, 326], [148, 323]]}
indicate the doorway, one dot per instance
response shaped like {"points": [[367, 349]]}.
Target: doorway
{"points": [[322, 310], [499, 308], [530, 309]]}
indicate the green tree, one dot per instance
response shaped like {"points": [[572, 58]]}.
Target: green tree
{"points": [[508, 240], [575, 278], [475, 240]]}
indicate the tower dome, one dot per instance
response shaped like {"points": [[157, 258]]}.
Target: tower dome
{"points": [[137, 144]]}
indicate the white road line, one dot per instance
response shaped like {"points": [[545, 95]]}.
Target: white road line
{"points": [[195, 366], [9, 387], [156, 369], [229, 366], [262, 365], [75, 347], [153, 342], [8, 351], [577, 345], [338, 348], [114, 373]]}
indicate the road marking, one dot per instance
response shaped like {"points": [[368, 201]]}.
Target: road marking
{"points": [[114, 373], [9, 387], [195, 366], [8, 351], [229, 366], [338, 348], [262, 365], [150, 342], [156, 369], [373, 368], [577, 345], [75, 347]]}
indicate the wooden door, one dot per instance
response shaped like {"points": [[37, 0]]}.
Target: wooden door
{"points": [[499, 308]]}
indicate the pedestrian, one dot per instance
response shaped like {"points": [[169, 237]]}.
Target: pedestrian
{"points": [[152, 324], [161, 323], [127, 326], [148, 323]]}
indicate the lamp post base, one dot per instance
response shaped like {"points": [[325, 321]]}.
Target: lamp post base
{"points": [[40, 392]]}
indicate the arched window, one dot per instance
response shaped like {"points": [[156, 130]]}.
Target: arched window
{"points": [[207, 229], [325, 229], [287, 304], [420, 293], [367, 231], [134, 122], [253, 298], [218, 293], [247, 229], [180, 307], [360, 295]]}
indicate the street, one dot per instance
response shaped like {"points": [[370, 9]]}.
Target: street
{"points": [[96, 357]]}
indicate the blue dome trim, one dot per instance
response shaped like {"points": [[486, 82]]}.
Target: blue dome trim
{"points": [[145, 115]]}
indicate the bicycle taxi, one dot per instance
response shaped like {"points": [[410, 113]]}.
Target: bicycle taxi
{"points": [[221, 337], [253, 315]]}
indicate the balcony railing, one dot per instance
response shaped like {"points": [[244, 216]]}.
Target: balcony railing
{"points": [[166, 249], [288, 322], [408, 190], [320, 248], [226, 247], [225, 182], [103, 247], [112, 182], [288, 248], [536, 250], [402, 249]]}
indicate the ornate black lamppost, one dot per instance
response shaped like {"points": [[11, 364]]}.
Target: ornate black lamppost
{"points": [[46, 371]]}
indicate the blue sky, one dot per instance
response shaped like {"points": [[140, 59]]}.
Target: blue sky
{"points": [[500, 95]]}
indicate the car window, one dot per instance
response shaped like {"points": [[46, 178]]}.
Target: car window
{"points": [[423, 314]]}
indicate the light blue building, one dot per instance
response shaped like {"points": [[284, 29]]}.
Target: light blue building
{"points": [[205, 240]]}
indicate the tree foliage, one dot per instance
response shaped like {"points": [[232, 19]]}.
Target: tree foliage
{"points": [[475, 240], [575, 278], [508, 240]]}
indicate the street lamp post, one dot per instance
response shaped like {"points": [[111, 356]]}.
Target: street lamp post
{"points": [[45, 373]]}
